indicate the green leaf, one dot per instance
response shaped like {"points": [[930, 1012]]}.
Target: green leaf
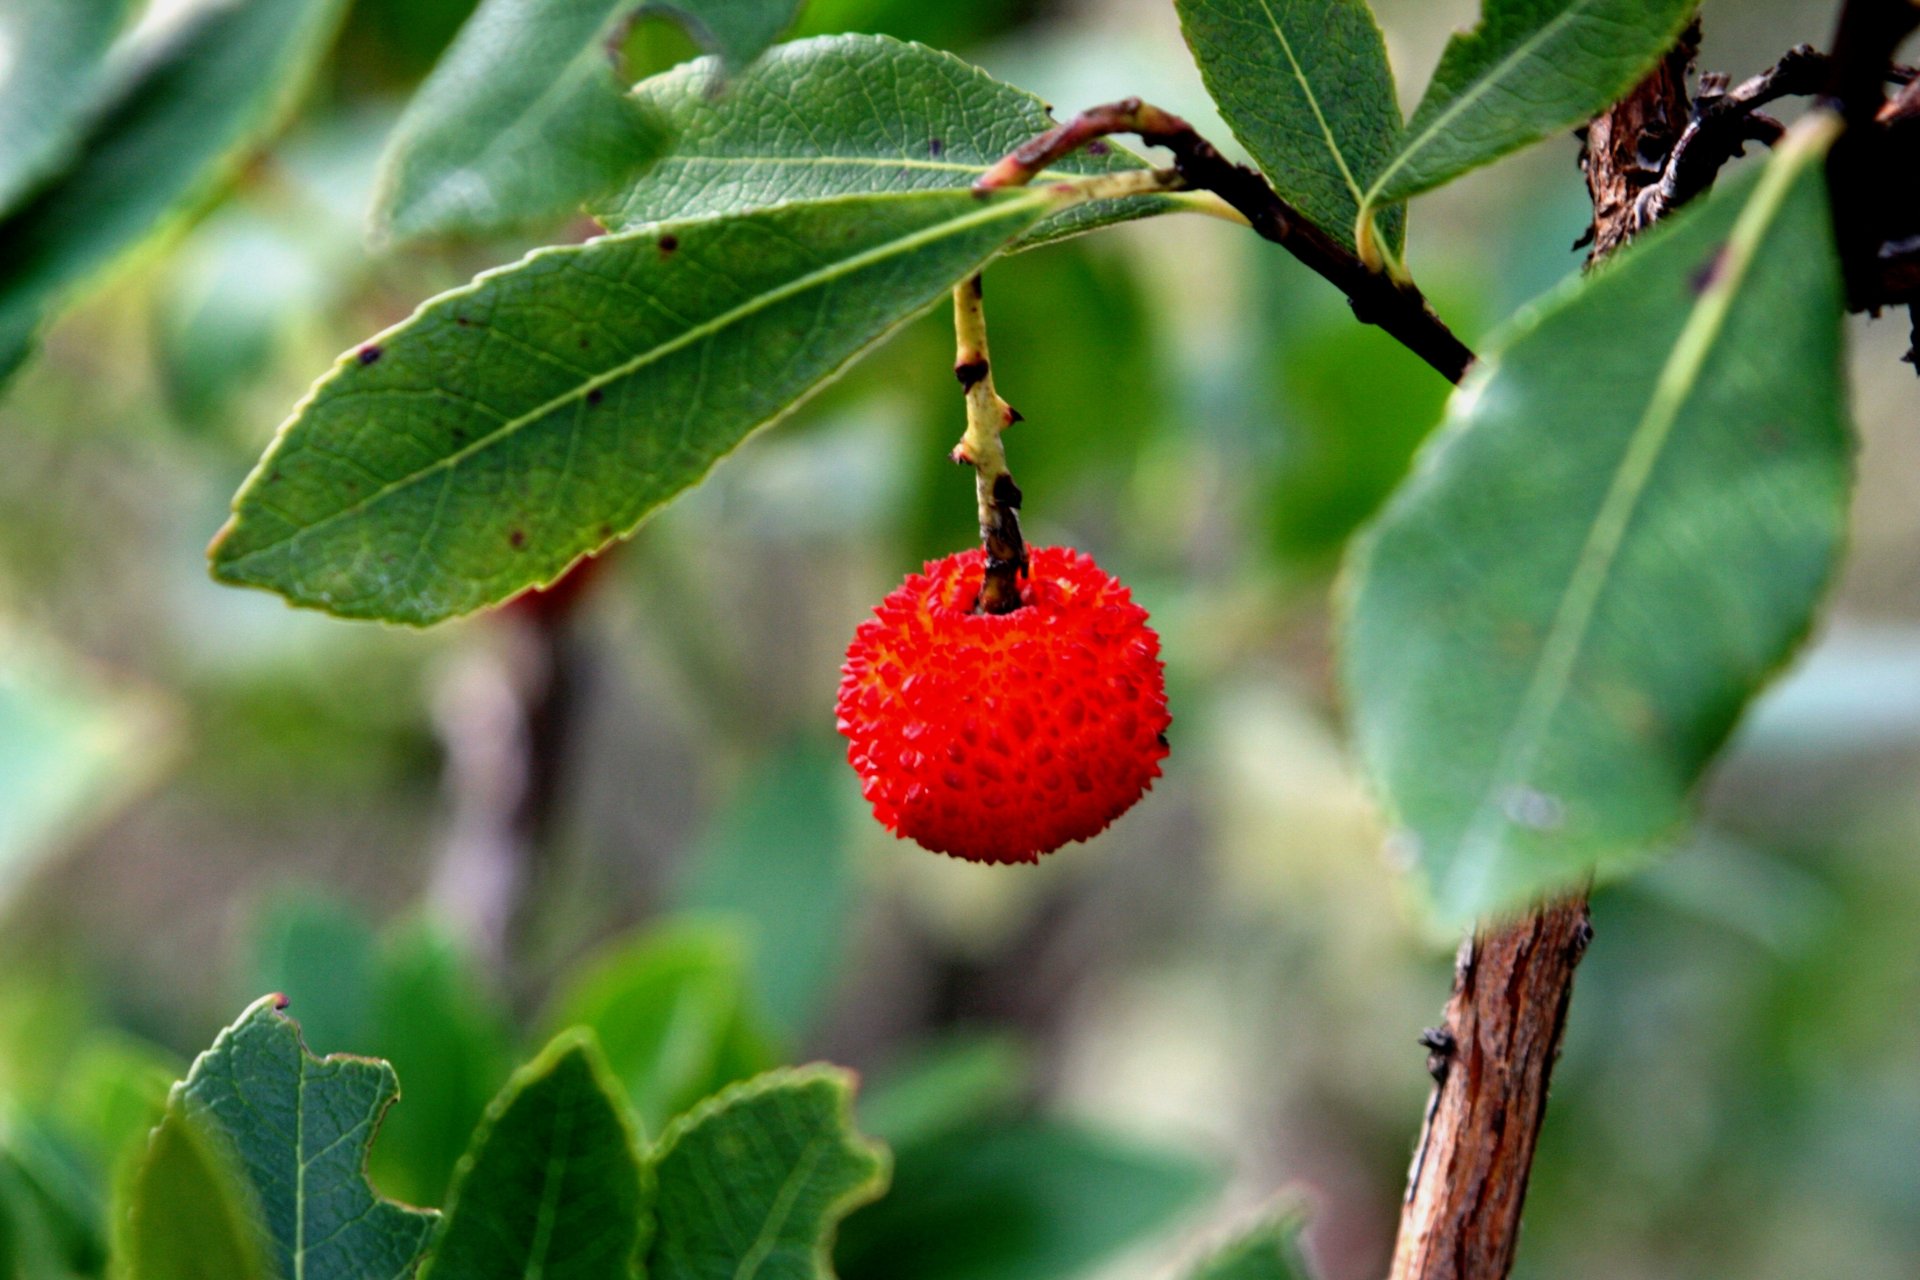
{"points": [[669, 1010], [1271, 1251], [1531, 67], [552, 1188], [777, 862], [54, 66], [1618, 536], [784, 1148], [842, 115], [299, 1126], [190, 1217], [523, 118], [1018, 1202], [1305, 86], [180, 119], [547, 408]]}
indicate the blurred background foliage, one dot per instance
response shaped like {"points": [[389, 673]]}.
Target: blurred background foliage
{"points": [[1093, 1066]]}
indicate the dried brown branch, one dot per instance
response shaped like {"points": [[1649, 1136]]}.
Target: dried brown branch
{"points": [[1376, 298]]}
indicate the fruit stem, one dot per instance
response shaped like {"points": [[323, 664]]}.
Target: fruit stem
{"points": [[980, 447]]}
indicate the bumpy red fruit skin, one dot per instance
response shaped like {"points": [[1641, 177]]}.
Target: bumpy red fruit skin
{"points": [[1000, 737]]}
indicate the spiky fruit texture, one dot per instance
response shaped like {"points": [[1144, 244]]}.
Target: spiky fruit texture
{"points": [[1000, 737]]}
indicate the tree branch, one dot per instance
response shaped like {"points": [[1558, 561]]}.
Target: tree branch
{"points": [[1376, 298], [1871, 169]]}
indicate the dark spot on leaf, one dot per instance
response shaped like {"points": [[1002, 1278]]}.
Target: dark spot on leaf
{"points": [[518, 537], [584, 344], [369, 353], [668, 243], [459, 435], [969, 372], [935, 147], [462, 321], [1098, 148], [606, 531], [596, 395], [275, 477], [1703, 279]]}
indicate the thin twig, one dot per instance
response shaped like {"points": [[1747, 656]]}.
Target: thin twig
{"points": [[1375, 297], [980, 448]]}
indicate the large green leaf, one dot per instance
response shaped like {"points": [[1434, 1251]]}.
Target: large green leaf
{"points": [[53, 65], [553, 1186], [1305, 86], [1620, 533], [1270, 1251], [842, 115], [753, 1182], [526, 115], [1529, 68], [178, 121], [669, 1009], [1018, 1201], [189, 1215], [514, 425], [299, 1127]]}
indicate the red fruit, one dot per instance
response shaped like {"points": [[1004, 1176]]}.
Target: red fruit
{"points": [[1000, 737]]}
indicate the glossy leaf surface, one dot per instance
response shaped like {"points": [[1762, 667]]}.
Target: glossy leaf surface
{"points": [[1306, 87], [514, 425]]}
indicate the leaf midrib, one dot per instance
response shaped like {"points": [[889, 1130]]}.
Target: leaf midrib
{"points": [[772, 297], [1480, 87], [1313, 104], [1567, 634]]}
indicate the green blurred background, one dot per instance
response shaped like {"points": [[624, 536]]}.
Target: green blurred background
{"points": [[1095, 1065]]}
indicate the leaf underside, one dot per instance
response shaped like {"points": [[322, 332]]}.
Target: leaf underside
{"points": [[1306, 87], [1529, 68], [836, 116], [1619, 535], [526, 116], [514, 425]]}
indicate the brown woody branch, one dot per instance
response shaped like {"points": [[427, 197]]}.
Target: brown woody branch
{"points": [[1376, 298]]}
